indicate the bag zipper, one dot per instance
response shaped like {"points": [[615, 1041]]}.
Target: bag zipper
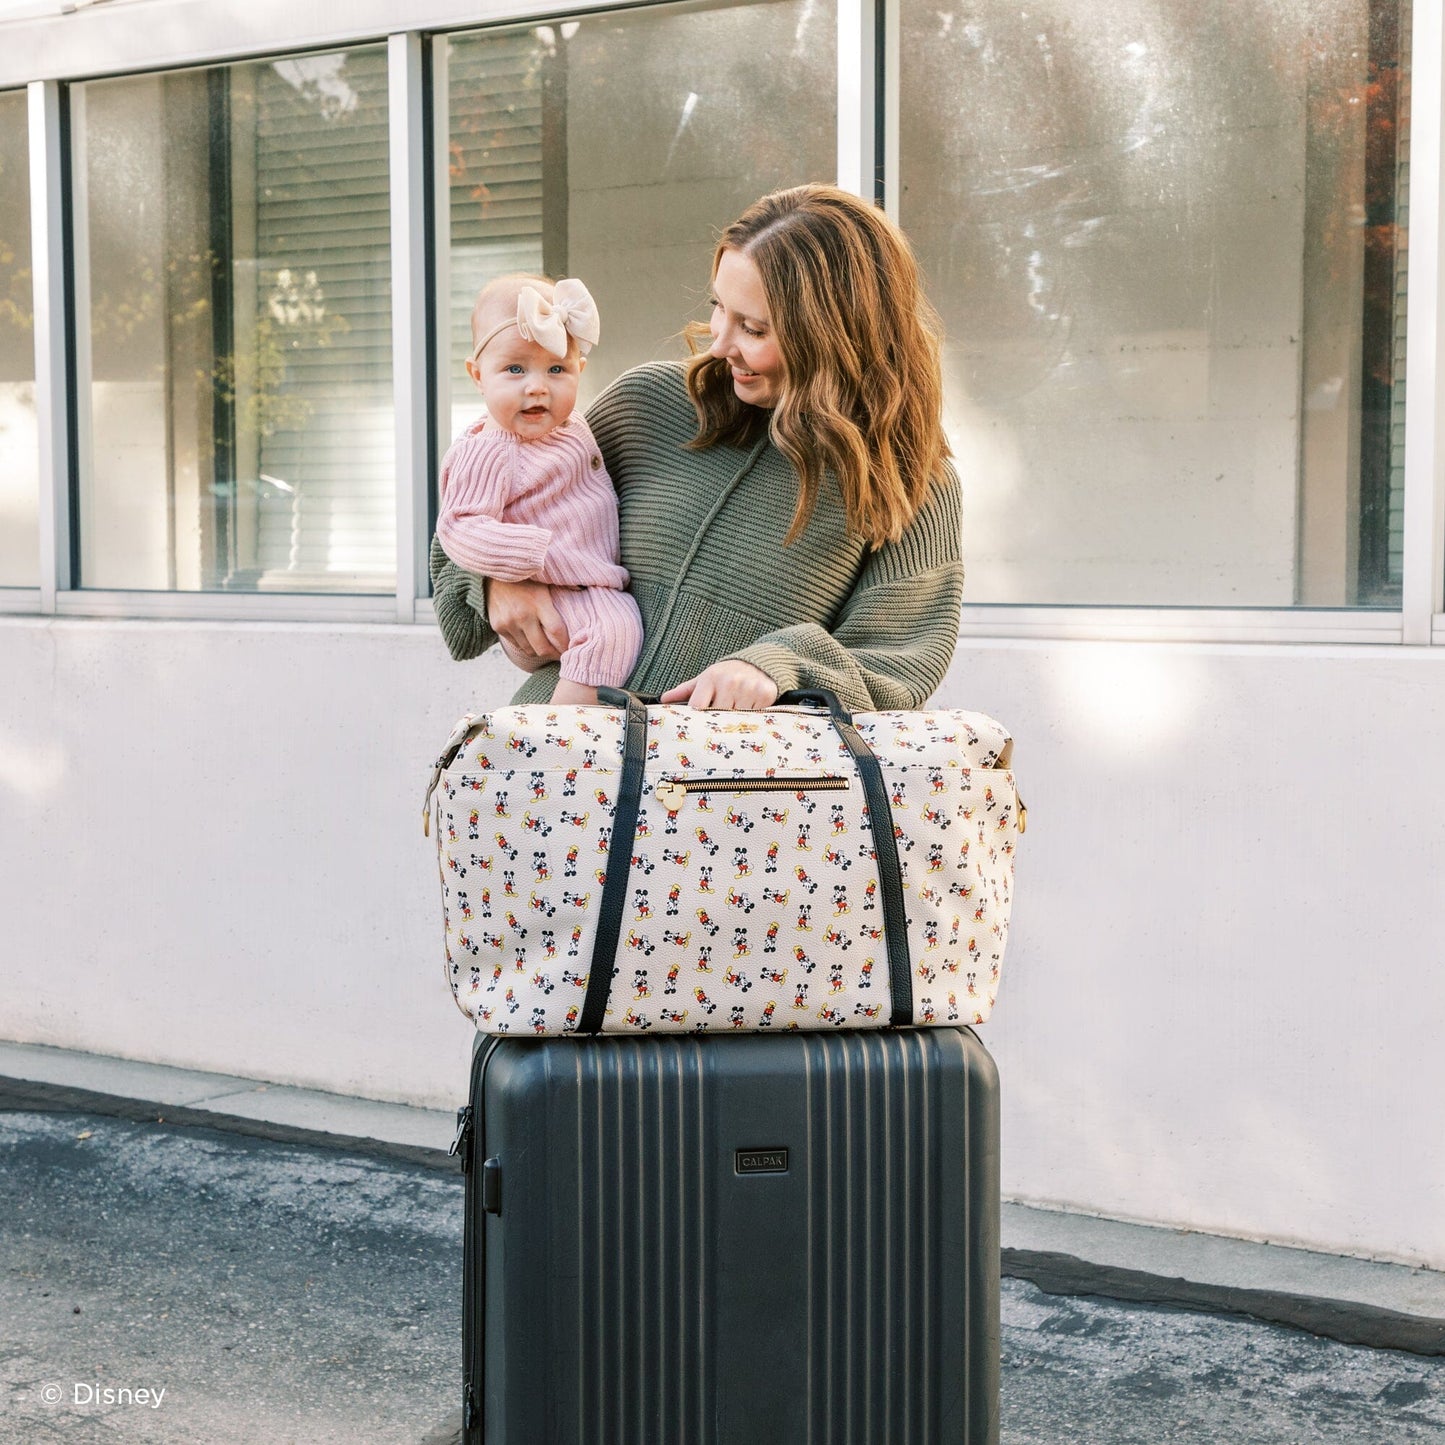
{"points": [[672, 792]]}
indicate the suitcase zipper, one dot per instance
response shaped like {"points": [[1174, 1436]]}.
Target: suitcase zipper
{"points": [[672, 792], [463, 1138], [471, 1130]]}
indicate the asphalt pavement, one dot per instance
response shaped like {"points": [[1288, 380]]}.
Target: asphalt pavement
{"points": [[164, 1283]]}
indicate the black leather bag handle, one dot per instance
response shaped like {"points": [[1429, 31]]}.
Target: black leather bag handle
{"points": [[624, 826], [619, 856], [819, 697], [620, 697], [885, 845]]}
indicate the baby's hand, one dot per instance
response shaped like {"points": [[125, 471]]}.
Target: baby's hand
{"points": [[731, 683], [525, 661]]}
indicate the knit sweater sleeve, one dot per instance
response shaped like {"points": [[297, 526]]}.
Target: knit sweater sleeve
{"points": [[459, 600], [476, 483], [894, 637]]}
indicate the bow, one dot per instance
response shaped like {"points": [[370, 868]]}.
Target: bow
{"points": [[570, 312]]}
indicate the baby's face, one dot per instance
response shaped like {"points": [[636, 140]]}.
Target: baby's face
{"points": [[528, 391]]}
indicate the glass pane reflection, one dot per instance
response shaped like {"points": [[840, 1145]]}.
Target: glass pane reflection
{"points": [[234, 344], [19, 437], [616, 147], [1166, 240]]}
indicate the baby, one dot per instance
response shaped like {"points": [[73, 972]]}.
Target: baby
{"points": [[524, 494]]}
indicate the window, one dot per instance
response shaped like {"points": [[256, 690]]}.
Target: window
{"points": [[19, 439], [615, 148], [1167, 240], [233, 302]]}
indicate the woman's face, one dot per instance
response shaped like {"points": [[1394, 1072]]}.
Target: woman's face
{"points": [[742, 332]]}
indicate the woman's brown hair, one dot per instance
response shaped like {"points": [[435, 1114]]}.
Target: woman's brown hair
{"points": [[862, 391]]}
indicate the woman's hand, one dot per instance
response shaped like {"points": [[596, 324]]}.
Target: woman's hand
{"points": [[727, 684], [529, 627]]}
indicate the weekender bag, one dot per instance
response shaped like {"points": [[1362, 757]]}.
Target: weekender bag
{"points": [[636, 867]]}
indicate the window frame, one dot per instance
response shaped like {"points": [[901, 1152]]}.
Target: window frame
{"points": [[1423, 590], [46, 55], [54, 358]]}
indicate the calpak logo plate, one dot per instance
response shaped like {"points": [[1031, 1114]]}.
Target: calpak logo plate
{"points": [[761, 1161]]}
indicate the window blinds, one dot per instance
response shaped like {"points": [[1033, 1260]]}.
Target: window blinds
{"points": [[322, 292], [322, 304]]}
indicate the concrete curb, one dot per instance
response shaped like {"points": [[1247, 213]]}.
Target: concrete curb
{"points": [[1350, 1322], [25, 1095]]}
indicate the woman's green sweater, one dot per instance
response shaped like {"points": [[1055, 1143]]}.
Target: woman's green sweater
{"points": [[702, 537]]}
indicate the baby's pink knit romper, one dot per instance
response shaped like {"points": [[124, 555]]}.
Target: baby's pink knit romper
{"points": [[546, 511]]}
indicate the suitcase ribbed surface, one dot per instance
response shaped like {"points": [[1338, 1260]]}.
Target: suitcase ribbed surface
{"points": [[851, 1298]]}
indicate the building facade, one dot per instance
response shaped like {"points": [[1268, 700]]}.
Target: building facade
{"points": [[1188, 260]]}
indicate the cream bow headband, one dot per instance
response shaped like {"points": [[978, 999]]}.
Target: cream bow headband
{"points": [[570, 312]]}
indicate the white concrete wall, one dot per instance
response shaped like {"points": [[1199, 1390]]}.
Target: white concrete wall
{"points": [[211, 847], [1221, 1008], [1223, 1002]]}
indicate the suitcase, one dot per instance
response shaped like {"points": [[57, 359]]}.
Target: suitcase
{"points": [[732, 1240]]}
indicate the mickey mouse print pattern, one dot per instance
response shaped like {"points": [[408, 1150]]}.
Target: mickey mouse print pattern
{"points": [[638, 867]]}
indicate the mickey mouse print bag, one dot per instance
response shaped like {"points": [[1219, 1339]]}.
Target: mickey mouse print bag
{"points": [[636, 867]]}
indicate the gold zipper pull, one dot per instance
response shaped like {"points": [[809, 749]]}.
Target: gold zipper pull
{"points": [[436, 777], [670, 794]]}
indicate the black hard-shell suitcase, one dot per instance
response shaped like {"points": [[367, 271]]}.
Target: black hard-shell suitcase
{"points": [[755, 1239]]}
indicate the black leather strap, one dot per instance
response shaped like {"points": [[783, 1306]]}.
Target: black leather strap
{"points": [[885, 845], [816, 697], [619, 857], [617, 696]]}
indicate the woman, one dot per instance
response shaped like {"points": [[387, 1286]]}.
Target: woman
{"points": [[788, 515]]}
